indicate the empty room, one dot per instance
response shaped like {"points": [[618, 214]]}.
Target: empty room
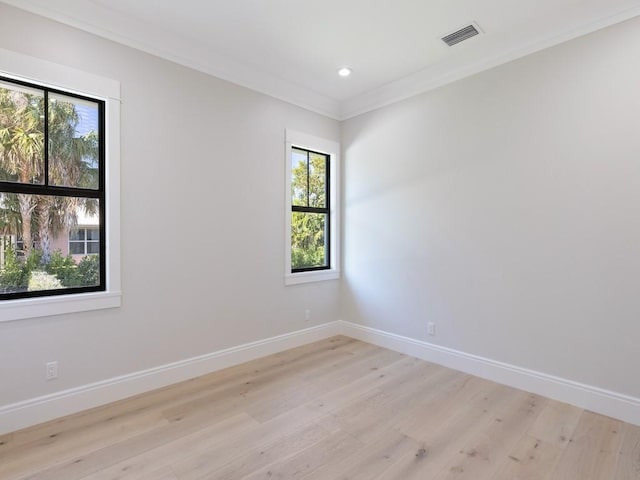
{"points": [[357, 239]]}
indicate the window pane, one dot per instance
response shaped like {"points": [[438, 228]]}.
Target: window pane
{"points": [[299, 177], [308, 234], [21, 134], [76, 234], [93, 247], [73, 142], [47, 264], [76, 248], [93, 234], [317, 180]]}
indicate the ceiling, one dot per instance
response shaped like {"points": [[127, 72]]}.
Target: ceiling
{"points": [[292, 49]]}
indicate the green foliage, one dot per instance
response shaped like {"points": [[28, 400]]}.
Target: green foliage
{"points": [[308, 188], [15, 275], [31, 274], [84, 274], [64, 268], [89, 270], [39, 280], [21, 135], [307, 240], [10, 220], [304, 258], [12, 276], [34, 259]]}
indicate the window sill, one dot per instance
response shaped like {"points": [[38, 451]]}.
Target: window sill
{"points": [[46, 306], [308, 277]]}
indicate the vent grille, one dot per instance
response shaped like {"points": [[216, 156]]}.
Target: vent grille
{"points": [[461, 35]]}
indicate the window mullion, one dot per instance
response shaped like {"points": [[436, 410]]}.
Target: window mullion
{"points": [[35, 189], [308, 176], [299, 208], [46, 138]]}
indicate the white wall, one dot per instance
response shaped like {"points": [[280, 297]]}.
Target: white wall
{"points": [[506, 209], [202, 221]]}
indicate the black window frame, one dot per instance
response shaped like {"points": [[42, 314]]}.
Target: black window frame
{"points": [[326, 210], [64, 191]]}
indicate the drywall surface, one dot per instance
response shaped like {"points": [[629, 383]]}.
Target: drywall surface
{"points": [[505, 208], [202, 221]]}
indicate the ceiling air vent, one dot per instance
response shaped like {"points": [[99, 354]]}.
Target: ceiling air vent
{"points": [[460, 35]]}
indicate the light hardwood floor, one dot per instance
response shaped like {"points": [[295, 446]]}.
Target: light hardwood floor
{"points": [[333, 410]]}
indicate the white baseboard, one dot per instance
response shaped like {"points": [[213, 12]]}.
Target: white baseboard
{"points": [[42, 409], [605, 402]]}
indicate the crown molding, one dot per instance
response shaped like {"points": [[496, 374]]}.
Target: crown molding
{"points": [[445, 73], [169, 46], [172, 47]]}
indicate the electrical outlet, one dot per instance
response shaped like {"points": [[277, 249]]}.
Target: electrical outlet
{"points": [[51, 370], [307, 315], [431, 329]]}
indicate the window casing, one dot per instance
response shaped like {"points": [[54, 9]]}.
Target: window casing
{"points": [[63, 83], [312, 201]]}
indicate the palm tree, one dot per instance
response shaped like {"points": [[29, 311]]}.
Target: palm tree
{"points": [[21, 148], [70, 159]]}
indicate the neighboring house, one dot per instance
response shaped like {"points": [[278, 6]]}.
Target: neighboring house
{"points": [[79, 241]]}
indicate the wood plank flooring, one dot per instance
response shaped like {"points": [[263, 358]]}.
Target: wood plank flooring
{"points": [[333, 410]]}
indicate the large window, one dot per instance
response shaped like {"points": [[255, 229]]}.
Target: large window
{"points": [[51, 172], [312, 197], [59, 170], [67, 116]]}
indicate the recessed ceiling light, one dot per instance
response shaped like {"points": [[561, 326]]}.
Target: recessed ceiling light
{"points": [[344, 72]]}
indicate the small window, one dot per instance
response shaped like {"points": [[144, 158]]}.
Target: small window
{"points": [[310, 226], [84, 241], [312, 218], [52, 159]]}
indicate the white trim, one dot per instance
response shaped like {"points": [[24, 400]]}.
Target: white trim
{"points": [[112, 179], [34, 70], [157, 41], [58, 305], [41, 409], [147, 38], [53, 75], [444, 73], [308, 277], [331, 148], [605, 402]]}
